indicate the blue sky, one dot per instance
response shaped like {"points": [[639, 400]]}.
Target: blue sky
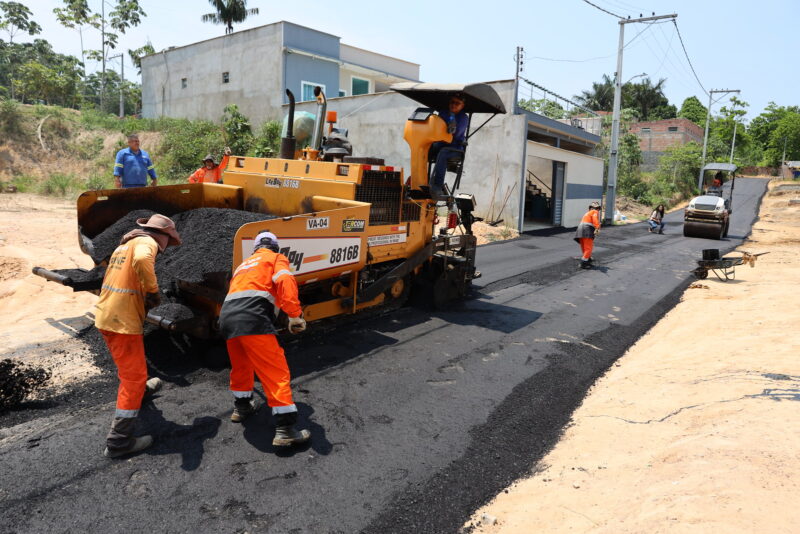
{"points": [[750, 46]]}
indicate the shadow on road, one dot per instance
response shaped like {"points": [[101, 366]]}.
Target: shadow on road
{"points": [[172, 438]]}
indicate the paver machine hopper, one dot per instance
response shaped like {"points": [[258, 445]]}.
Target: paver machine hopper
{"points": [[358, 234]]}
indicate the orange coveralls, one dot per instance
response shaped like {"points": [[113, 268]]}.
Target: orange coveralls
{"points": [[592, 217], [262, 283], [203, 175], [120, 316]]}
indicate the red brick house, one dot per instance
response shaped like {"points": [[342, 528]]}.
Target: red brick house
{"points": [[656, 136]]}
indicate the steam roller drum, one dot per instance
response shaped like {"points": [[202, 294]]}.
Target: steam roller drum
{"points": [[702, 229]]}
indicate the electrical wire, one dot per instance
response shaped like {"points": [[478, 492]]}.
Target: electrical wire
{"points": [[603, 9], [571, 60], [687, 56]]}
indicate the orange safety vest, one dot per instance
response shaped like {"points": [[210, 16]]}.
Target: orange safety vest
{"points": [[129, 276], [203, 175], [261, 285]]}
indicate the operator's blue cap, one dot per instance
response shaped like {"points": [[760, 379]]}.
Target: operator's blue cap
{"points": [[261, 241]]}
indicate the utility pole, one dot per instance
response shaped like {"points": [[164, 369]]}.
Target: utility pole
{"points": [[735, 124], [103, 52], [613, 159], [121, 83], [520, 66], [783, 158], [705, 136]]}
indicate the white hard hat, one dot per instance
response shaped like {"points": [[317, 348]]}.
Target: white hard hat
{"points": [[266, 240]]}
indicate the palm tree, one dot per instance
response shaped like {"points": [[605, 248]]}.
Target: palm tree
{"points": [[644, 96], [600, 97], [228, 12]]}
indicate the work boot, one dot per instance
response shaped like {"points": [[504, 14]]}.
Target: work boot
{"points": [[137, 444], [242, 409], [120, 440], [286, 434], [586, 264], [152, 386]]}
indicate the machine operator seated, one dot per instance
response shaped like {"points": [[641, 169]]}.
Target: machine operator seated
{"points": [[440, 152], [715, 188]]}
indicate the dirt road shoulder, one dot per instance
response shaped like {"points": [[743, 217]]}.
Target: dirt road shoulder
{"points": [[694, 429]]}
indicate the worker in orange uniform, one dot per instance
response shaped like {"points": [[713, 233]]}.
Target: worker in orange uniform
{"points": [[210, 172], [587, 231], [260, 285], [130, 289]]}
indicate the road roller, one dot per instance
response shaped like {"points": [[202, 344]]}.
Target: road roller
{"points": [[708, 215]]}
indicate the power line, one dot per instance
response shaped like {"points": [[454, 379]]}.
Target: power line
{"points": [[571, 60], [687, 56], [604, 10]]}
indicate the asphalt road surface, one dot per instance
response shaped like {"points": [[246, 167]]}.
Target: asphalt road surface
{"points": [[417, 417]]}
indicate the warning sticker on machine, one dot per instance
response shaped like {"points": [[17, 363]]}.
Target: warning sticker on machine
{"points": [[307, 255], [386, 239]]}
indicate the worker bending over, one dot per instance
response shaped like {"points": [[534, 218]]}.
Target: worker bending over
{"points": [[210, 172], [261, 285], [587, 231], [129, 290]]}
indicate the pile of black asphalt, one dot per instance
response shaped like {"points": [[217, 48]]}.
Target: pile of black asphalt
{"points": [[207, 242], [418, 418]]}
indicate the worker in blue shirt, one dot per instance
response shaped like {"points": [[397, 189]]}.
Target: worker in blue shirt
{"points": [[133, 165], [457, 124]]}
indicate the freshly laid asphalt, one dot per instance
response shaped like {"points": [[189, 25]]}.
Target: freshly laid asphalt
{"points": [[417, 417]]}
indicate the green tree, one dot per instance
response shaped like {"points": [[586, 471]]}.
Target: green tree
{"points": [[137, 54], [693, 110], [786, 133], [15, 18], [646, 97], [125, 14], [762, 127], [238, 134], [600, 97], [543, 106], [229, 11], [722, 128]]}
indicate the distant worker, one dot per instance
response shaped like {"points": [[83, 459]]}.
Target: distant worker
{"points": [[129, 290], [716, 185], [260, 285], [210, 172], [133, 165], [656, 219], [587, 231], [457, 124]]}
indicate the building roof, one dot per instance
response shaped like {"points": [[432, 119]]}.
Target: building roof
{"points": [[171, 48]]}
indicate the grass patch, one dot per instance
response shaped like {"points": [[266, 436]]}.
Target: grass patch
{"points": [[58, 184]]}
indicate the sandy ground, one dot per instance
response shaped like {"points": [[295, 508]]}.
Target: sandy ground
{"points": [[696, 428], [40, 318]]}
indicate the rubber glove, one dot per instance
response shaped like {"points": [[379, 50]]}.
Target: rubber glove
{"points": [[297, 324]]}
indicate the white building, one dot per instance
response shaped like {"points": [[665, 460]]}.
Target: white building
{"points": [[253, 68]]}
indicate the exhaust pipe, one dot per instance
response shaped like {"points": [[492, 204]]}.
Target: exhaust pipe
{"points": [[289, 143], [319, 122]]}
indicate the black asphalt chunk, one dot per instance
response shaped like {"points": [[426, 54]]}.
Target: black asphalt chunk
{"points": [[207, 235], [105, 242]]}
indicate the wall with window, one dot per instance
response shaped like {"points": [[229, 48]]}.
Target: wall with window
{"points": [[199, 80], [302, 72]]}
